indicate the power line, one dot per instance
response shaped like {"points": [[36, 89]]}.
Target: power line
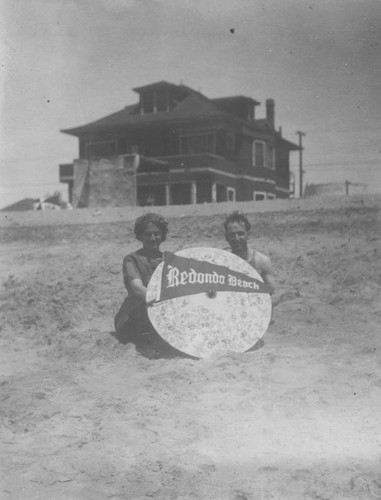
{"points": [[337, 163], [30, 184], [343, 130]]}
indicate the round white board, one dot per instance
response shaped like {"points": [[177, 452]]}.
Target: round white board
{"points": [[202, 325]]}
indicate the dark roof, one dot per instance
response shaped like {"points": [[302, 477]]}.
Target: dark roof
{"points": [[21, 206], [158, 85], [289, 145], [150, 86], [193, 106], [263, 122], [234, 99]]}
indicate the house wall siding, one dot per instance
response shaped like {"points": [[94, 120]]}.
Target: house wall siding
{"points": [[282, 168]]}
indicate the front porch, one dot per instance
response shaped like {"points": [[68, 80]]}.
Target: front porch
{"points": [[183, 193], [134, 180]]}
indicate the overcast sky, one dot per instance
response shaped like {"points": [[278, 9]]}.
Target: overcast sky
{"points": [[67, 62]]}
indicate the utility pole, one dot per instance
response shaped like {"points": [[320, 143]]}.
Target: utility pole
{"points": [[300, 134]]}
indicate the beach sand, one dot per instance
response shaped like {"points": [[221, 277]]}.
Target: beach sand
{"points": [[85, 417]]}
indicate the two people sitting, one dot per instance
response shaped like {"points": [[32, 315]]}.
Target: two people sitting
{"points": [[151, 230]]}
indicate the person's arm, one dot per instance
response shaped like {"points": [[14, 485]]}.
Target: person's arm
{"points": [[137, 288], [132, 278], [266, 271]]}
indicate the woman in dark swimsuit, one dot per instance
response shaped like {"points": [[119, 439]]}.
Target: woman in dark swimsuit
{"points": [[132, 319]]}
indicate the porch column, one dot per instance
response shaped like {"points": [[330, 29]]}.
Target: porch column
{"points": [[193, 193], [167, 195], [214, 192]]}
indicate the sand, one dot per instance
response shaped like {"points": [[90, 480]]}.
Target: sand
{"points": [[85, 417]]}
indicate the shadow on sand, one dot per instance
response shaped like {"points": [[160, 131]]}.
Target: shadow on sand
{"points": [[152, 346]]}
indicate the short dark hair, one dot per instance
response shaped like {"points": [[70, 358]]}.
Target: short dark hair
{"points": [[237, 217], [142, 221]]}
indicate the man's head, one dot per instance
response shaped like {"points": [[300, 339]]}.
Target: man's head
{"points": [[237, 229]]}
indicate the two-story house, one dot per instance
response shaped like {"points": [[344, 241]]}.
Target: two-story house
{"points": [[191, 149]]}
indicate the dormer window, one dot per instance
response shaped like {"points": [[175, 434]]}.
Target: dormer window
{"points": [[147, 102], [250, 112], [161, 100], [154, 101]]}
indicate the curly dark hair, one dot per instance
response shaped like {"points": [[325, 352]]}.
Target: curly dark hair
{"points": [[150, 217], [237, 217]]}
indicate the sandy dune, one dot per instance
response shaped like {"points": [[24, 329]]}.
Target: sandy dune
{"points": [[84, 417]]}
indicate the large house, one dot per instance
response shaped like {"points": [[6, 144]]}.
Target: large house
{"points": [[176, 146]]}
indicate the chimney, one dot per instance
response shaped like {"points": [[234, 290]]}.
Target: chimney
{"points": [[270, 112]]}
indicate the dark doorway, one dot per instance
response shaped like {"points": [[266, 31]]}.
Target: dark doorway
{"points": [[221, 193], [181, 194], [151, 196], [204, 192]]}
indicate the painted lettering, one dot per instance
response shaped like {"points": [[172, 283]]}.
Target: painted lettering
{"points": [[173, 276]]}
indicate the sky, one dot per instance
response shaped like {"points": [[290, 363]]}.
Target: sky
{"points": [[65, 63]]}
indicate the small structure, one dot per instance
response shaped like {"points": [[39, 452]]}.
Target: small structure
{"points": [[335, 188], [176, 146], [47, 202]]}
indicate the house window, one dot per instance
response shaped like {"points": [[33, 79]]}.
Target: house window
{"points": [[270, 156], [154, 101], [102, 149], [161, 100], [263, 155], [200, 143], [258, 154], [262, 195], [230, 142], [231, 194], [259, 196], [147, 102]]}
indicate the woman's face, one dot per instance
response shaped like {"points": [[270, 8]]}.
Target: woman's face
{"points": [[151, 237]]}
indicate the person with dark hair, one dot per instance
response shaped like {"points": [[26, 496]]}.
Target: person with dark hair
{"points": [[132, 319], [237, 230]]}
